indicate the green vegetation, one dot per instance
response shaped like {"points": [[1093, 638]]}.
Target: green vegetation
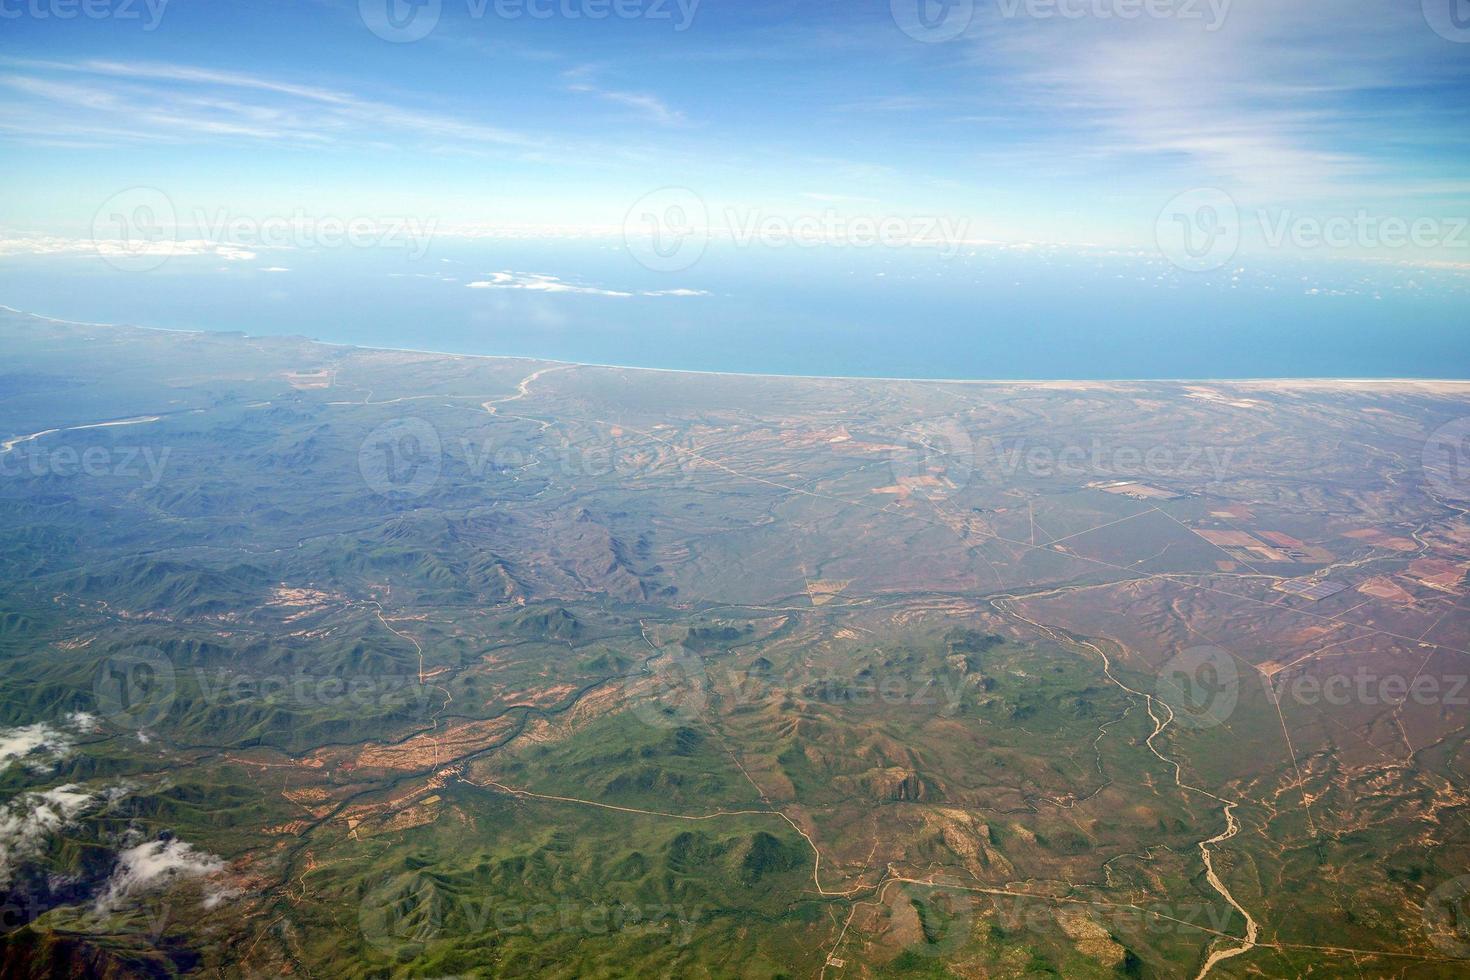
{"points": [[733, 706]]}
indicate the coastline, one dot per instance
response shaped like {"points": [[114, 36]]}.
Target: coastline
{"points": [[1257, 382]]}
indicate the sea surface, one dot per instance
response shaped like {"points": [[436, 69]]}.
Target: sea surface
{"points": [[983, 313]]}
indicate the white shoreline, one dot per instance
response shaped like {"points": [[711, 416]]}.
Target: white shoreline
{"points": [[1292, 380]]}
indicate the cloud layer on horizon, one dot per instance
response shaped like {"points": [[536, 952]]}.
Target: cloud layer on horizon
{"points": [[538, 282]]}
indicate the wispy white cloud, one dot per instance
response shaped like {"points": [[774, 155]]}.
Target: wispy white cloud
{"points": [[42, 745], [541, 283], [185, 73], [29, 741], [1275, 104], [156, 865], [126, 250], [581, 81], [183, 104], [32, 819]]}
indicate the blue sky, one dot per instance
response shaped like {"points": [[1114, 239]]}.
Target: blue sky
{"points": [[1029, 125]]}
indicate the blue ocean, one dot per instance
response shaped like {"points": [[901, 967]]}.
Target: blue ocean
{"points": [[981, 313]]}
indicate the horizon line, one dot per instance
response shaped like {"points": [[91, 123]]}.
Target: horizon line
{"points": [[1300, 379]]}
